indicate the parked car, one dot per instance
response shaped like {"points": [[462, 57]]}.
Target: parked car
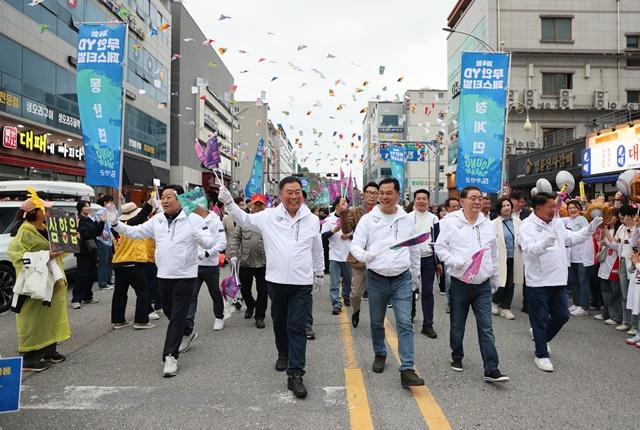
{"points": [[12, 194]]}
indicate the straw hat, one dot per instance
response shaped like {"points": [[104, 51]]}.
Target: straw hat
{"points": [[129, 210]]}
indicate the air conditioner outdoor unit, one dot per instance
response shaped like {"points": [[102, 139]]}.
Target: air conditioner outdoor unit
{"points": [[513, 96], [600, 99], [550, 105], [511, 150], [566, 99], [535, 145], [633, 106], [615, 105], [531, 98], [521, 145]]}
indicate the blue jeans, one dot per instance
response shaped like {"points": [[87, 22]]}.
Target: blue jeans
{"points": [[338, 269], [398, 291], [478, 297], [427, 275], [104, 264], [578, 283], [548, 312], [290, 310]]}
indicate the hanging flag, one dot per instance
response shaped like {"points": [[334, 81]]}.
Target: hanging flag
{"points": [[254, 185], [212, 159], [99, 89], [397, 158]]}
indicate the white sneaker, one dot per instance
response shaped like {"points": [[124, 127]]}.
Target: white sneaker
{"points": [[531, 333], [572, 308], [599, 317], [75, 305], [506, 313], [632, 332], [143, 326], [154, 316], [495, 309], [170, 366], [543, 364], [622, 327], [610, 322], [635, 339], [218, 324], [186, 342], [579, 312]]}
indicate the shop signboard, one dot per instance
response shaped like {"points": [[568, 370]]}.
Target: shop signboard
{"points": [[612, 152], [34, 144]]}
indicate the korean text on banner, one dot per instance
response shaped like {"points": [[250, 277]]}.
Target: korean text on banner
{"points": [[396, 155], [99, 84], [10, 381], [483, 96], [255, 180]]}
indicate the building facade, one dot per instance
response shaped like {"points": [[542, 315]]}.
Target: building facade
{"points": [[38, 97], [383, 125], [201, 96], [570, 62], [286, 155]]}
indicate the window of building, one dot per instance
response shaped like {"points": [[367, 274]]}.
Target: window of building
{"points": [[66, 85], [38, 71], [556, 29], [385, 172], [556, 136], [633, 41], [11, 58], [389, 121], [633, 96], [552, 83], [633, 62]]}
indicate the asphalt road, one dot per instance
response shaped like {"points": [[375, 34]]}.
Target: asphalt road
{"points": [[113, 379]]}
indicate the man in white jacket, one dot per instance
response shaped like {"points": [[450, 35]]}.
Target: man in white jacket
{"points": [[339, 245], [175, 234], [462, 234], [543, 239], [295, 266], [209, 273], [389, 275]]}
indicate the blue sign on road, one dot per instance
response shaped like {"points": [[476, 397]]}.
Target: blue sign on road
{"points": [[10, 381]]}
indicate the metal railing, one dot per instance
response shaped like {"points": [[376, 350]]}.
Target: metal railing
{"points": [[611, 119]]}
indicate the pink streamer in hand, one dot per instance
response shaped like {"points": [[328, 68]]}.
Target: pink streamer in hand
{"points": [[474, 267]]}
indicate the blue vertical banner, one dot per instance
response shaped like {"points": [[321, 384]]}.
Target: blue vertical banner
{"points": [[10, 381], [255, 180], [481, 123], [397, 158], [101, 56]]}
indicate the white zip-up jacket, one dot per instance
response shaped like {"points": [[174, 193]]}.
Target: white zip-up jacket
{"points": [[216, 229], [176, 253], [425, 222], [374, 233], [338, 247], [547, 267], [458, 241], [292, 245]]}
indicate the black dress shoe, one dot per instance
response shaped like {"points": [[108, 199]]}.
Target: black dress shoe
{"points": [[524, 310], [248, 313], [378, 364], [335, 311], [260, 324], [408, 378], [310, 333], [347, 301], [295, 385], [282, 363], [355, 319], [429, 332]]}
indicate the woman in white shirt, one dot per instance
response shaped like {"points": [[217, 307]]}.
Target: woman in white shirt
{"points": [[609, 273], [623, 237], [581, 258]]}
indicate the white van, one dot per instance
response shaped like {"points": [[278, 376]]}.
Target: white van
{"points": [[12, 194]]}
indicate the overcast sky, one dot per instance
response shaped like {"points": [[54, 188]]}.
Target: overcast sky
{"points": [[404, 36]]}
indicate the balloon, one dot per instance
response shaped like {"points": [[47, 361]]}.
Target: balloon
{"points": [[534, 191], [544, 186], [565, 178], [624, 181]]}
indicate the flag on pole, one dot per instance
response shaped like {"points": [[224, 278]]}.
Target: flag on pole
{"points": [[474, 267], [254, 185], [416, 240], [212, 158], [192, 199], [349, 192]]}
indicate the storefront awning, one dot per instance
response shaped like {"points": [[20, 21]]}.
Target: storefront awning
{"points": [[138, 172], [601, 179]]}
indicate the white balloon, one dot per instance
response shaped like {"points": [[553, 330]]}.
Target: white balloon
{"points": [[534, 191], [565, 178], [623, 184], [544, 186]]}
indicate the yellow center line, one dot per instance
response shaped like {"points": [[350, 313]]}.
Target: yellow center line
{"points": [[429, 407], [359, 410]]}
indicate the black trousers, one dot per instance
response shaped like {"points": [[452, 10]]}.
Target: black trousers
{"points": [[86, 275], [136, 277], [504, 296], [246, 281], [176, 296], [210, 275]]}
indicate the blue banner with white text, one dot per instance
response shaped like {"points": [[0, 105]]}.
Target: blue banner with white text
{"points": [[397, 158], [255, 180], [99, 82], [481, 122]]}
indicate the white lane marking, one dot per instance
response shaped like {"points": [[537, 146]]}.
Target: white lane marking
{"points": [[82, 397]]}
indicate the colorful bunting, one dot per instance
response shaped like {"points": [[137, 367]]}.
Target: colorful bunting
{"points": [[223, 17], [222, 50], [381, 70]]}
